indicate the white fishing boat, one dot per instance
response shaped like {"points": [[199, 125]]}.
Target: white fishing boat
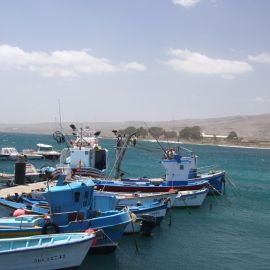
{"points": [[137, 198], [47, 151], [9, 153], [45, 252], [190, 198], [31, 154], [84, 156]]}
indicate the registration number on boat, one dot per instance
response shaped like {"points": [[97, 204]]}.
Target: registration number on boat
{"points": [[50, 258]]}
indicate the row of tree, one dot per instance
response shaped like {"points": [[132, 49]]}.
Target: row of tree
{"points": [[187, 133]]}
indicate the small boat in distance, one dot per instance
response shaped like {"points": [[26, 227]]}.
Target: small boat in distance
{"points": [[9, 153], [47, 151], [48, 252], [31, 175], [31, 154]]}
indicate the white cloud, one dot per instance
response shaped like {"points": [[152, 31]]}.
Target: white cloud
{"points": [[197, 63], [60, 63], [134, 66], [186, 3], [263, 58]]}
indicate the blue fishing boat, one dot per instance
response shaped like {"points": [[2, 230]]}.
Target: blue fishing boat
{"points": [[45, 252], [147, 186], [156, 209], [181, 172], [70, 210], [180, 168]]}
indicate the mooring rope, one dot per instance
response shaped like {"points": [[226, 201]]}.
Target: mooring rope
{"points": [[124, 252]]}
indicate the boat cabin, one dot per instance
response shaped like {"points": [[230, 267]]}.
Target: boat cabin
{"points": [[47, 151], [84, 158], [77, 199], [180, 168], [71, 197], [44, 147]]}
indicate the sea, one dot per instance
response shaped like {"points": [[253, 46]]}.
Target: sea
{"points": [[229, 232]]}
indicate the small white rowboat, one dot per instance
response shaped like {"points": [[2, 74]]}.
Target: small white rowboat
{"points": [[55, 251]]}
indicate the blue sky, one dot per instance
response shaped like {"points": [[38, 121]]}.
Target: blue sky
{"points": [[120, 60]]}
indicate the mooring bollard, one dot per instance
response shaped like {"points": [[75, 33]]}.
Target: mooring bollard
{"points": [[20, 167]]}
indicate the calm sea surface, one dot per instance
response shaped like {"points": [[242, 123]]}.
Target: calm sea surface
{"points": [[228, 232]]}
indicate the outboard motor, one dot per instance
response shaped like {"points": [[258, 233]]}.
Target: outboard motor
{"points": [[148, 223]]}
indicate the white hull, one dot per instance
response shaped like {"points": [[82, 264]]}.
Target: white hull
{"points": [[33, 157], [145, 198], [47, 258], [190, 198]]}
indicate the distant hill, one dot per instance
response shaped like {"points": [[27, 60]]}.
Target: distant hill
{"points": [[249, 127]]}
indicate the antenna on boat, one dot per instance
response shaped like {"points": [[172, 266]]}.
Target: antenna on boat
{"points": [[60, 117], [81, 138], [162, 148]]}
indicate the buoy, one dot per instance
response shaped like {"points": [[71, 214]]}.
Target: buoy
{"points": [[19, 212], [46, 216], [92, 231], [133, 217]]}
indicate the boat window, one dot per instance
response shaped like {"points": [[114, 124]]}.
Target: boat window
{"points": [[85, 198], [86, 153], [77, 196], [181, 167]]}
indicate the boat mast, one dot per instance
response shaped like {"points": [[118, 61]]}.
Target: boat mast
{"points": [[121, 148]]}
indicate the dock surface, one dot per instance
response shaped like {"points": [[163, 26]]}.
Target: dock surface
{"points": [[4, 192]]}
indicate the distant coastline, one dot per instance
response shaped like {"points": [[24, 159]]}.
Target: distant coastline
{"points": [[257, 145], [253, 130]]}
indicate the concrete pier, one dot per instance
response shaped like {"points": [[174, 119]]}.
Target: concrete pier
{"points": [[4, 192]]}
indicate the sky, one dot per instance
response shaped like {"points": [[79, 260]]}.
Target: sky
{"points": [[121, 60]]}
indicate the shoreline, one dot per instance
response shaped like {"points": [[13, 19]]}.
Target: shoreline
{"points": [[250, 146]]}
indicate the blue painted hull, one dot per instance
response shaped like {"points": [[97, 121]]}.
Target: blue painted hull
{"points": [[216, 182], [118, 186], [111, 223]]}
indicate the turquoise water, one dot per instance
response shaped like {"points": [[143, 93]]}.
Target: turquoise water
{"points": [[228, 232]]}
